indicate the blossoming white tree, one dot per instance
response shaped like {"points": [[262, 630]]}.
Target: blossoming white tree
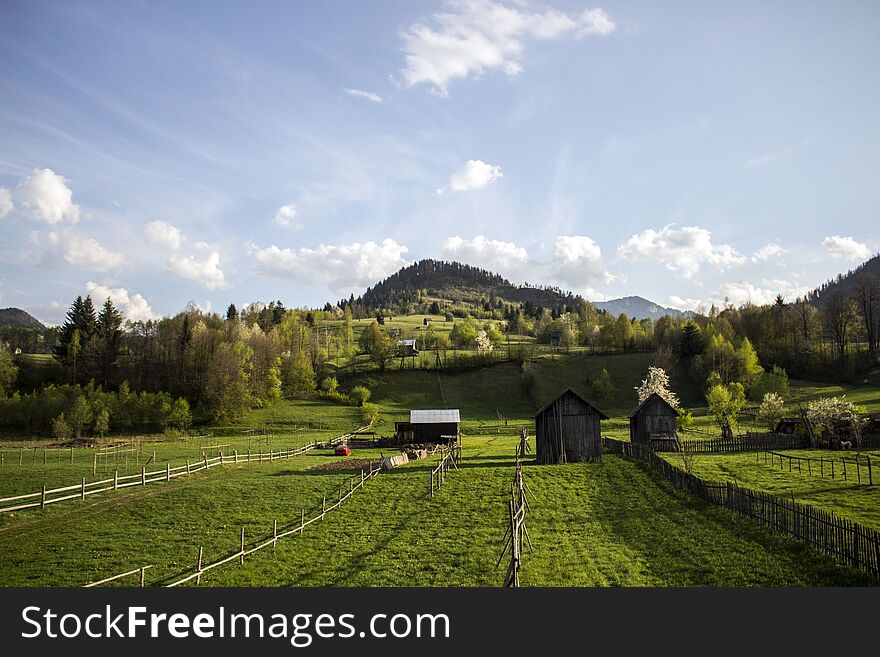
{"points": [[484, 343], [657, 382]]}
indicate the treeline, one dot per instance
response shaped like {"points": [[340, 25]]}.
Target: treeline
{"points": [[69, 411], [223, 366]]}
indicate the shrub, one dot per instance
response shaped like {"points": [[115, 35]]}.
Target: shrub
{"points": [[360, 395]]}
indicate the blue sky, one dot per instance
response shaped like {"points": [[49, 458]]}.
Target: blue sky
{"points": [[688, 152]]}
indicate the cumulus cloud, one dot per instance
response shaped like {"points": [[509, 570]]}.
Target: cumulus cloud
{"points": [[846, 248], [286, 215], [682, 303], [739, 293], [506, 258], [682, 249], [132, 305], [48, 197], [164, 234], [368, 95], [87, 253], [768, 251], [475, 174], [474, 36], [342, 267], [204, 271], [6, 204], [578, 263]]}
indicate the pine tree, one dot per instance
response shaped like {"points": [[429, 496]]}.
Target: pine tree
{"points": [[231, 313], [108, 339]]}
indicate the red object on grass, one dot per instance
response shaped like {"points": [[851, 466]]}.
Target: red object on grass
{"points": [[342, 450]]}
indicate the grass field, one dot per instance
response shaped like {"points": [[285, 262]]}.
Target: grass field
{"points": [[592, 524], [858, 502]]}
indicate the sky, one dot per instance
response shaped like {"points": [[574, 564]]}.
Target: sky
{"points": [[166, 153]]}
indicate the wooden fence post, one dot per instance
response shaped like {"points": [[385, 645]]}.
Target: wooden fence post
{"points": [[115, 479], [95, 465], [274, 533], [71, 454], [143, 570], [44, 456], [302, 520], [235, 453], [870, 476], [199, 567], [323, 505], [187, 466], [143, 475], [241, 558], [43, 497], [167, 471]]}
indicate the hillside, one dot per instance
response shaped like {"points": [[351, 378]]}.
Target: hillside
{"points": [[845, 283], [464, 284], [637, 307], [18, 318], [459, 283]]}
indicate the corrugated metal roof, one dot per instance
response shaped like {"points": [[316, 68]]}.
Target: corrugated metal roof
{"points": [[434, 416], [406, 343]]}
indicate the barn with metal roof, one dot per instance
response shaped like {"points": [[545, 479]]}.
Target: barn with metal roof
{"points": [[430, 426]]}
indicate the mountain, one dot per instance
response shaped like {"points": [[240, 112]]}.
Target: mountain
{"points": [[464, 284], [637, 307], [845, 283], [17, 318]]}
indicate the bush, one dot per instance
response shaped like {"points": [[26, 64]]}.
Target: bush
{"points": [[360, 395], [60, 429], [370, 413]]}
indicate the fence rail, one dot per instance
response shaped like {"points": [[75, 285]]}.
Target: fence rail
{"points": [[516, 530], [142, 571], [860, 466], [83, 489], [265, 542], [451, 459], [847, 541]]}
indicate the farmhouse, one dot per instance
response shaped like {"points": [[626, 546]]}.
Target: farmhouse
{"points": [[430, 426], [567, 430], [654, 419]]}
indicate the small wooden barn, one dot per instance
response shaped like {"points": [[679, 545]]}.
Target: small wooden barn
{"points": [[430, 426], [406, 348], [654, 418], [790, 426], [567, 430]]}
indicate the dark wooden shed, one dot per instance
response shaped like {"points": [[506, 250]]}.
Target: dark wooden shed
{"points": [[790, 426], [430, 426], [567, 430], [653, 418]]}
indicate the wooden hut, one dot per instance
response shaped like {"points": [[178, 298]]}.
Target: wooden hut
{"points": [[790, 426], [655, 418], [567, 430], [430, 426], [407, 348]]}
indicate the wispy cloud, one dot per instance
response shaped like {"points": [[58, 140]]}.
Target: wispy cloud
{"points": [[479, 35], [360, 93]]}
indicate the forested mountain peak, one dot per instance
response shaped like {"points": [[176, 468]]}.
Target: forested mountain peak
{"points": [[847, 283], [18, 318]]}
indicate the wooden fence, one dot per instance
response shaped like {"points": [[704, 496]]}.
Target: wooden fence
{"points": [[271, 541], [855, 468], [451, 459], [847, 541], [137, 571], [750, 442], [83, 489], [517, 506]]}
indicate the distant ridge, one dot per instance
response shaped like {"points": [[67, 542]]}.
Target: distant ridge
{"points": [[18, 318], [638, 307], [845, 283]]}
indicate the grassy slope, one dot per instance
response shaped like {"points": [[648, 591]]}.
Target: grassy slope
{"points": [[599, 524], [849, 499]]}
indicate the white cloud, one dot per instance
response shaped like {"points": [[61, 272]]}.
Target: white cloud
{"points": [[768, 251], [475, 174], [846, 248], [681, 303], [87, 253], [6, 204], [683, 249], [578, 263], [360, 93], [342, 267], [479, 35], [164, 234], [739, 293], [48, 197], [285, 217], [506, 258], [204, 271], [132, 305]]}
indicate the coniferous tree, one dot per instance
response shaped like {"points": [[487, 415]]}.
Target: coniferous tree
{"points": [[107, 340]]}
